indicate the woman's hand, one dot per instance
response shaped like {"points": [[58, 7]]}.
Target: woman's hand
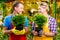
{"points": [[34, 32], [41, 32], [49, 34]]}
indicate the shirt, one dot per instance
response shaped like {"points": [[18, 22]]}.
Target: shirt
{"points": [[51, 24], [7, 21]]}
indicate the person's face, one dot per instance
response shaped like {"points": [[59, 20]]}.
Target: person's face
{"points": [[42, 7], [20, 8]]}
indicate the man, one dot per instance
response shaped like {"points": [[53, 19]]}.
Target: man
{"points": [[18, 8], [44, 8]]}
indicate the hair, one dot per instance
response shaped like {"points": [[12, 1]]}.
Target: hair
{"points": [[15, 4], [47, 4], [45, 1]]}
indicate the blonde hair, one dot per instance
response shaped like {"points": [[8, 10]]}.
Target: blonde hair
{"points": [[43, 4]]}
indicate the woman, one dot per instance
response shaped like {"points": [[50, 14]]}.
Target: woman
{"points": [[50, 31]]}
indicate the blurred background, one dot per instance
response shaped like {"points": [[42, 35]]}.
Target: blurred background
{"points": [[30, 6]]}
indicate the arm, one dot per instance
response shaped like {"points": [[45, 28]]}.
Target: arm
{"points": [[6, 25], [33, 31], [50, 34], [52, 26], [26, 25], [5, 31], [26, 30]]}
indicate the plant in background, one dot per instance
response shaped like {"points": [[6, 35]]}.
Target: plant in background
{"points": [[59, 24], [3, 36], [18, 21], [39, 20], [58, 12]]}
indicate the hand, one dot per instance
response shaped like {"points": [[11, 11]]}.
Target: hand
{"points": [[34, 33], [41, 32], [5, 31]]}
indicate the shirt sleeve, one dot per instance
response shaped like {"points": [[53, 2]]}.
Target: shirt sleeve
{"points": [[53, 26], [6, 22], [26, 22], [33, 26]]}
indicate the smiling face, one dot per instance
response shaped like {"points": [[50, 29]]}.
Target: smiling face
{"points": [[19, 8], [43, 7]]}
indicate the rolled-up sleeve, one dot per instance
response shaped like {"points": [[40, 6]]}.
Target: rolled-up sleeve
{"points": [[26, 22], [33, 26], [5, 23]]}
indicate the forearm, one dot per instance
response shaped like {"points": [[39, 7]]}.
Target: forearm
{"points": [[50, 34], [26, 30], [7, 31]]}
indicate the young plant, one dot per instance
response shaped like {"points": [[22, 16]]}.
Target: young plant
{"points": [[39, 20], [18, 21]]}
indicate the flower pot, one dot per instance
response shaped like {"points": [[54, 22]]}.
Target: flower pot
{"points": [[19, 27], [38, 29]]}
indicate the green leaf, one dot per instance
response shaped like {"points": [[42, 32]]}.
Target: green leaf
{"points": [[39, 19], [18, 19]]}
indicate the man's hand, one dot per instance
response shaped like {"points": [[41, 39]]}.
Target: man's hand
{"points": [[5, 31]]}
